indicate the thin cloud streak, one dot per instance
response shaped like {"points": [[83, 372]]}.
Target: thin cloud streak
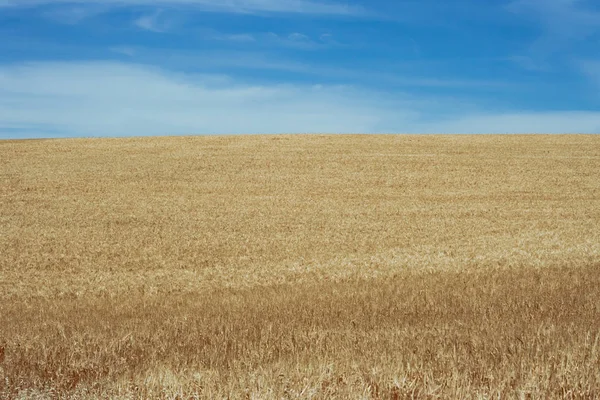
{"points": [[295, 40], [263, 61], [232, 6]]}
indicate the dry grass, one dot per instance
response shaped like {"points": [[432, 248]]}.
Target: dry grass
{"points": [[300, 267]]}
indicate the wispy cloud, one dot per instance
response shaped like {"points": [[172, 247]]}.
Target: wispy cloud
{"points": [[233, 37], [295, 40], [530, 63], [299, 41], [124, 50], [73, 15], [236, 6], [561, 21], [567, 17], [152, 22], [263, 62], [116, 99], [298, 37]]}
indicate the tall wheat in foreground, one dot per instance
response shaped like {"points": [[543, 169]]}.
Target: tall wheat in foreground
{"points": [[323, 267]]}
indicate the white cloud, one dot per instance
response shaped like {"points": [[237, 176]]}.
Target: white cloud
{"points": [[300, 37], [152, 22], [113, 99], [529, 63], [233, 37], [241, 6], [255, 60], [564, 25], [148, 22], [74, 14], [117, 99], [566, 16], [293, 40]]}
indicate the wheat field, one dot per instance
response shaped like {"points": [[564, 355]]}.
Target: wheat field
{"points": [[300, 266]]}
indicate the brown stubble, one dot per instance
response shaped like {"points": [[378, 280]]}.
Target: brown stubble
{"points": [[300, 266]]}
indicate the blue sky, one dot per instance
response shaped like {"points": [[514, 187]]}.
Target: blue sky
{"points": [[161, 67]]}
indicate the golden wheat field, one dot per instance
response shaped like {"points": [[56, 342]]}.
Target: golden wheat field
{"points": [[306, 266]]}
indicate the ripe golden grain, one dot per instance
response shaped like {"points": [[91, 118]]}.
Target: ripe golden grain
{"points": [[300, 267]]}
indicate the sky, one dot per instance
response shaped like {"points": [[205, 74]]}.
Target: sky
{"points": [[86, 68]]}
